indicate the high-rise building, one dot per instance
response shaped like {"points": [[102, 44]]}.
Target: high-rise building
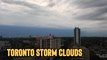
{"points": [[47, 42], [77, 45], [77, 40]]}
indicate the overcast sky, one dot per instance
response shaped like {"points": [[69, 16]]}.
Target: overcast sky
{"points": [[89, 15]]}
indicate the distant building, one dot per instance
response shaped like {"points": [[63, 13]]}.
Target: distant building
{"points": [[46, 42], [4, 45], [77, 39], [77, 44], [49, 42]]}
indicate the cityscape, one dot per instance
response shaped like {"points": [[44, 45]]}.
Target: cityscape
{"points": [[93, 47], [78, 27]]}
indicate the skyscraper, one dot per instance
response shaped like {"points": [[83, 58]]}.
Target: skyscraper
{"points": [[77, 40], [77, 45]]}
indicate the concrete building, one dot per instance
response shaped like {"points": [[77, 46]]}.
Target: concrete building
{"points": [[77, 44], [77, 38], [49, 42]]}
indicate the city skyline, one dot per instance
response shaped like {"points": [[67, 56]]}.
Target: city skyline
{"points": [[58, 17]]}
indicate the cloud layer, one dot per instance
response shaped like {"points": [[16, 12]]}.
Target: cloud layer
{"points": [[62, 14]]}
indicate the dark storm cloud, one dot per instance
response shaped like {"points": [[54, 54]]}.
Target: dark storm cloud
{"points": [[70, 12], [36, 10], [90, 3], [98, 7], [21, 3], [99, 14], [90, 15]]}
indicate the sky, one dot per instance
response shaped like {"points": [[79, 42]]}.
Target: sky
{"points": [[59, 17]]}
